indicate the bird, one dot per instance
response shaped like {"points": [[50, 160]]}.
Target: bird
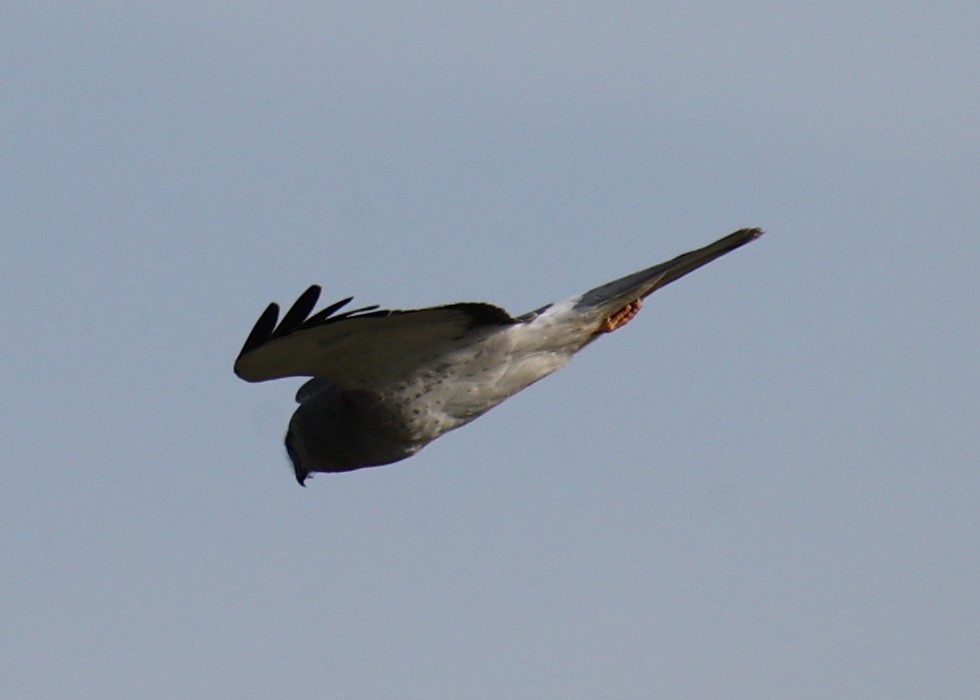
{"points": [[384, 383]]}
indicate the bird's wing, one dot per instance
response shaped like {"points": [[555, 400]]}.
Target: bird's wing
{"points": [[367, 348]]}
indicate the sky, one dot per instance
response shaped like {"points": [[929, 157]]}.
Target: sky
{"points": [[766, 486]]}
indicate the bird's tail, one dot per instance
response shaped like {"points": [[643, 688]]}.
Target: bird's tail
{"points": [[612, 296]]}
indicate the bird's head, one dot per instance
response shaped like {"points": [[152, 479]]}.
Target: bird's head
{"points": [[296, 455]]}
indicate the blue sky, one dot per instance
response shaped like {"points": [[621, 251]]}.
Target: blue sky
{"points": [[766, 486]]}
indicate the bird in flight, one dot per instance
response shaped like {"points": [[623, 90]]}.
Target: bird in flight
{"points": [[385, 383]]}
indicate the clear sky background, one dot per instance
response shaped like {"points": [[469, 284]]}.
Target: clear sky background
{"points": [[766, 486]]}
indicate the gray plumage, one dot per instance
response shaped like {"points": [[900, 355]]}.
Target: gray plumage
{"points": [[386, 383]]}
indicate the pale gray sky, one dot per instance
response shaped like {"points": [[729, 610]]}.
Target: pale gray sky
{"points": [[767, 486]]}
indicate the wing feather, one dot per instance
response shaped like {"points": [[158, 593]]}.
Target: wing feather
{"points": [[263, 328], [365, 348], [298, 312]]}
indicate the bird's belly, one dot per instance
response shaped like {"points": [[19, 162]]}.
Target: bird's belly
{"points": [[477, 377], [486, 381]]}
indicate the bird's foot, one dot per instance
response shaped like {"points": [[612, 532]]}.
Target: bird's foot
{"points": [[621, 317]]}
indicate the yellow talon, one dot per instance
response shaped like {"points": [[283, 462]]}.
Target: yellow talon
{"points": [[621, 317]]}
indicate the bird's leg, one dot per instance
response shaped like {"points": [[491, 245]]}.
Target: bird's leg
{"points": [[621, 317]]}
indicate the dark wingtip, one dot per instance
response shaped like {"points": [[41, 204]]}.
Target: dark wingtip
{"points": [[299, 317], [262, 329], [323, 314], [298, 312]]}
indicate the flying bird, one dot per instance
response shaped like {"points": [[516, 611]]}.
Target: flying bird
{"points": [[385, 383]]}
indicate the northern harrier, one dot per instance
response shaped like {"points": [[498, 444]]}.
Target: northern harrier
{"points": [[384, 383]]}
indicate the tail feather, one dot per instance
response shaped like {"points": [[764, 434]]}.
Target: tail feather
{"points": [[642, 284]]}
